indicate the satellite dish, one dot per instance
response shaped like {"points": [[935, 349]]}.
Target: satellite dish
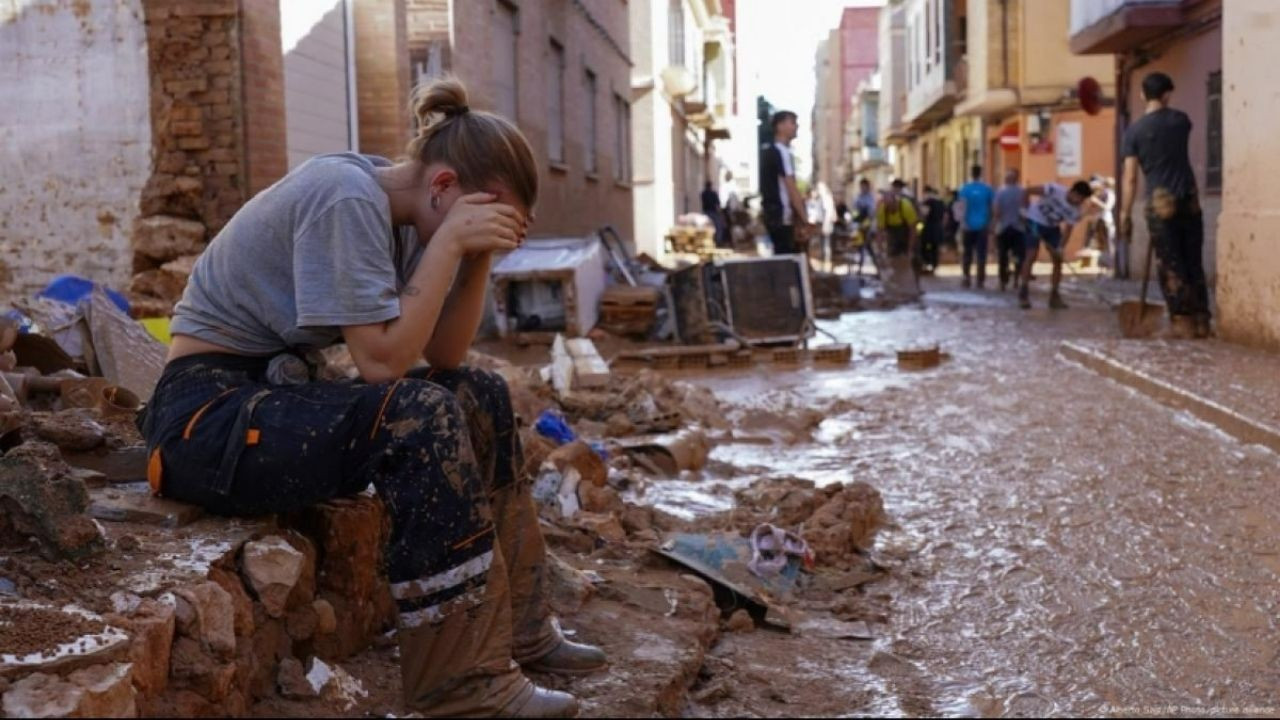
{"points": [[1090, 94]]}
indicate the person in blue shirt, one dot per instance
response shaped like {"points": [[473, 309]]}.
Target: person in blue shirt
{"points": [[978, 198]]}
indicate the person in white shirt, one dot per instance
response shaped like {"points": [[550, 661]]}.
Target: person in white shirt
{"points": [[781, 201], [1055, 209]]}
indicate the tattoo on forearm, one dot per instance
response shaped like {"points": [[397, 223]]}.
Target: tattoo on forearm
{"points": [[410, 290]]}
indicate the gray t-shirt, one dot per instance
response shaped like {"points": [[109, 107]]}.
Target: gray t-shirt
{"points": [[1009, 200], [308, 255]]}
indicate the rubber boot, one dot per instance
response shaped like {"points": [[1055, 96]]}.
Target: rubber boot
{"points": [[460, 664]]}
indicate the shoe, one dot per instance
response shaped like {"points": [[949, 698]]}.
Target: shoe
{"points": [[570, 658], [540, 702], [1055, 302], [1024, 301], [964, 283]]}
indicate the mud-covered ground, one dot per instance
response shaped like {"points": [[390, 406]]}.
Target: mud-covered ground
{"points": [[1062, 545], [1059, 543]]}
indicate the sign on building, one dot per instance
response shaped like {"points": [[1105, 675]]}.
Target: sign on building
{"points": [[1069, 149]]}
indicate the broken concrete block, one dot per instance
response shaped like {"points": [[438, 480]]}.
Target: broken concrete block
{"points": [[589, 369], [272, 567], [74, 430], [150, 626], [191, 666], [40, 499], [205, 613], [135, 503], [569, 588], [603, 525], [292, 680], [846, 523], [97, 691], [241, 604], [163, 238], [579, 455]]}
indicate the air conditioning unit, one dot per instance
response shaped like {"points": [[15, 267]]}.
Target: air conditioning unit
{"points": [[762, 300]]}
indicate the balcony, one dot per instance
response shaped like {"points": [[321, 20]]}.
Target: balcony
{"points": [[1105, 27]]}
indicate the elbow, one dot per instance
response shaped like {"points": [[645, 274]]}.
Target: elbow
{"points": [[445, 360], [381, 367]]}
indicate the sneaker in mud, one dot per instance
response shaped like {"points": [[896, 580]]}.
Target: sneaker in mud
{"points": [[1055, 302]]}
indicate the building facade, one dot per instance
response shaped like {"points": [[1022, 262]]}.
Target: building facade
{"points": [[559, 69], [1182, 38], [682, 87], [845, 60]]}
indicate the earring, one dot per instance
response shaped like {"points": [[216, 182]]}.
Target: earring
{"points": [[435, 202]]}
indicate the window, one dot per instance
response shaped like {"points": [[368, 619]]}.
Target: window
{"points": [[506, 30], [621, 139], [590, 82], [928, 33], [675, 31], [1213, 156], [938, 36], [555, 95]]}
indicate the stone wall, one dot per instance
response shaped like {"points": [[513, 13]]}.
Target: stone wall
{"points": [[75, 137], [382, 76]]}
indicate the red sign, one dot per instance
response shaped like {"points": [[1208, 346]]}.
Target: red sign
{"points": [[1010, 137]]}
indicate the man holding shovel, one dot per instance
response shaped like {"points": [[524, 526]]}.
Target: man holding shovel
{"points": [[1157, 143]]}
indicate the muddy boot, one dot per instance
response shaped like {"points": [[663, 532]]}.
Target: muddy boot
{"points": [[570, 658], [1055, 301], [455, 660]]}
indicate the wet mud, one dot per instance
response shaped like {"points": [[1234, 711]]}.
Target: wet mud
{"points": [[1059, 544]]}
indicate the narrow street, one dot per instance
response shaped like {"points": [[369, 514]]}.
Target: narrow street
{"points": [[1061, 544]]}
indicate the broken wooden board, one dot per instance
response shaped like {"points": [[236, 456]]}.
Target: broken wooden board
{"points": [[125, 352], [135, 503]]}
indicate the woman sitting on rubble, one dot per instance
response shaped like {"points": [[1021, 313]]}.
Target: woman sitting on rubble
{"points": [[394, 260]]}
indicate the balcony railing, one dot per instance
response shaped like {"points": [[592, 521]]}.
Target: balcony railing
{"points": [[1110, 26], [1088, 12]]}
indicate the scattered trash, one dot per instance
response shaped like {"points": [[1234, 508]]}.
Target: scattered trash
{"points": [[724, 559]]}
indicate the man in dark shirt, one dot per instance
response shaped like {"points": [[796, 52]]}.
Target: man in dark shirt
{"points": [[1157, 143], [711, 208], [781, 201], [935, 213]]}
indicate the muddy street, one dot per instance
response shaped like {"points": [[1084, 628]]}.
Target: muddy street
{"points": [[1060, 544]]}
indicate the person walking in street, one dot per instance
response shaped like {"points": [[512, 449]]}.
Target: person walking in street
{"points": [[864, 218], [711, 208], [1010, 229], [935, 213], [977, 197], [1054, 212], [1114, 252], [1157, 143], [896, 218], [781, 201], [393, 260]]}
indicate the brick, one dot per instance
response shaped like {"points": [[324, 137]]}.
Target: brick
{"points": [[227, 168], [185, 87], [220, 112], [206, 8], [193, 143], [186, 127]]}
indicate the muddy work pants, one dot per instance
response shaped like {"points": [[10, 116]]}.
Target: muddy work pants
{"points": [[466, 558], [1176, 226]]}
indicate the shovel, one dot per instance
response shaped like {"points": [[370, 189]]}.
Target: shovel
{"points": [[1138, 318]]}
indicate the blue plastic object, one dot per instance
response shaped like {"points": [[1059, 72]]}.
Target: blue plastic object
{"points": [[71, 289], [552, 426]]}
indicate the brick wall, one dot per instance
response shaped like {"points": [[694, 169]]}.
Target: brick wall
{"points": [[266, 159], [594, 36], [382, 76]]}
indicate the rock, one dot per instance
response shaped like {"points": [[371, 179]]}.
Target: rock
{"points": [[39, 499], [181, 266], [134, 503], [603, 525], [568, 587], [599, 498], [292, 681], [241, 604], [350, 534], [108, 691], [159, 283], [164, 238], [326, 620], [335, 685], [151, 628], [846, 524], [272, 567], [206, 614], [302, 622], [127, 543], [637, 518], [579, 455], [740, 621], [714, 691], [73, 430], [193, 668], [304, 591], [96, 691], [619, 425]]}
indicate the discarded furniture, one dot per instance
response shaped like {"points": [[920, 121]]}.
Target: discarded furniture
{"points": [[630, 311], [549, 286]]}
